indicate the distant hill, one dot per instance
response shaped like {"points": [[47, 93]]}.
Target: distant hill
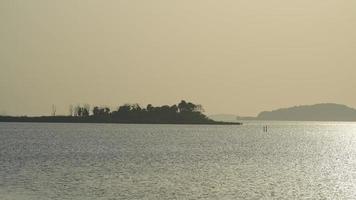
{"points": [[229, 118], [317, 112], [223, 118]]}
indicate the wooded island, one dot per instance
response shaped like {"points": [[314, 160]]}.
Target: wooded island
{"points": [[183, 113]]}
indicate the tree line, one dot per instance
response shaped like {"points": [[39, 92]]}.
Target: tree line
{"points": [[184, 112]]}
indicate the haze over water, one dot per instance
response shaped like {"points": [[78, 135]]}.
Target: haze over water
{"points": [[293, 160]]}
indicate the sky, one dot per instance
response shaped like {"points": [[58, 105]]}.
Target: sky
{"points": [[232, 56]]}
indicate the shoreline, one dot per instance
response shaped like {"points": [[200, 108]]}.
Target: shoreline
{"points": [[91, 120]]}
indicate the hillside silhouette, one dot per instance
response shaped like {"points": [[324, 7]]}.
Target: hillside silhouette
{"points": [[316, 112]]}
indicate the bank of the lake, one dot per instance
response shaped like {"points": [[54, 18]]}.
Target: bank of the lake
{"points": [[92, 119]]}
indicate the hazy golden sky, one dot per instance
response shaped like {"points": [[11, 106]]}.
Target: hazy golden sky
{"points": [[237, 57]]}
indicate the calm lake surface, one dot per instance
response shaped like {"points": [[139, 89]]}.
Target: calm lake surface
{"points": [[293, 160]]}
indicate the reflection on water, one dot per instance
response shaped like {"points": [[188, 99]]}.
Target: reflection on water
{"points": [[293, 160]]}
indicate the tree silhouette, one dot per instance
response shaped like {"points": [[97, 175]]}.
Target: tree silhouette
{"points": [[71, 110], [54, 110], [80, 111], [183, 113], [101, 111]]}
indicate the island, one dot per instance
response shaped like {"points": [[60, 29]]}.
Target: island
{"points": [[316, 112], [183, 113]]}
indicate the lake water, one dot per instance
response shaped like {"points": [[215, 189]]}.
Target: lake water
{"points": [[293, 160]]}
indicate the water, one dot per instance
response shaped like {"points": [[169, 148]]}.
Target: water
{"points": [[293, 160]]}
